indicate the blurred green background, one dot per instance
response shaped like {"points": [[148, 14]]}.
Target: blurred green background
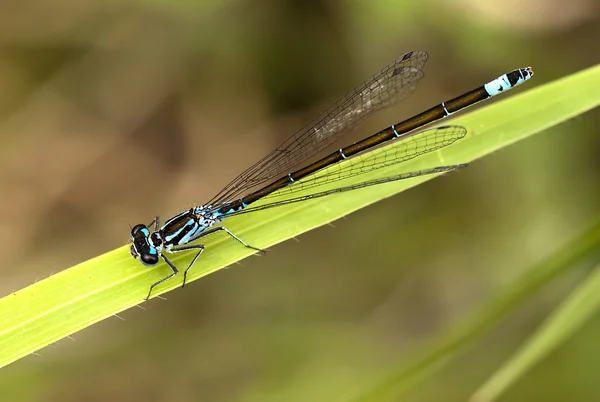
{"points": [[114, 111]]}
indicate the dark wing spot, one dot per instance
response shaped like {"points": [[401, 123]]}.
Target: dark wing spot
{"points": [[397, 71]]}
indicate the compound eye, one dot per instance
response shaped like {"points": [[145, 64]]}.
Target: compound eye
{"points": [[149, 259], [137, 229]]}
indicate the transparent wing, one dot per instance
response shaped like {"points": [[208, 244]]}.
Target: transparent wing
{"points": [[392, 84], [368, 183], [405, 148]]}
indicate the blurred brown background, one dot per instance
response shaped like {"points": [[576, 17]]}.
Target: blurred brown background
{"points": [[114, 111]]}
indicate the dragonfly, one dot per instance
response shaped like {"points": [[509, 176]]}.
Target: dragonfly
{"points": [[287, 169]]}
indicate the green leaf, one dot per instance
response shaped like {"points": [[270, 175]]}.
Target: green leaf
{"points": [[96, 289], [576, 310], [396, 381]]}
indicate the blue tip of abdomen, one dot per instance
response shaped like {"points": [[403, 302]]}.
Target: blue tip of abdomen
{"points": [[508, 81]]}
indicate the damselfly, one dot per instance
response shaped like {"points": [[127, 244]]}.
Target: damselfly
{"points": [[275, 174]]}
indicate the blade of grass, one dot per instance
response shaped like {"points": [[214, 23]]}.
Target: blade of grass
{"points": [[581, 305], [103, 286], [585, 248]]}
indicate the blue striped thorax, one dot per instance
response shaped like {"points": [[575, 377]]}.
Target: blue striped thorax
{"points": [[187, 226], [179, 230]]}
